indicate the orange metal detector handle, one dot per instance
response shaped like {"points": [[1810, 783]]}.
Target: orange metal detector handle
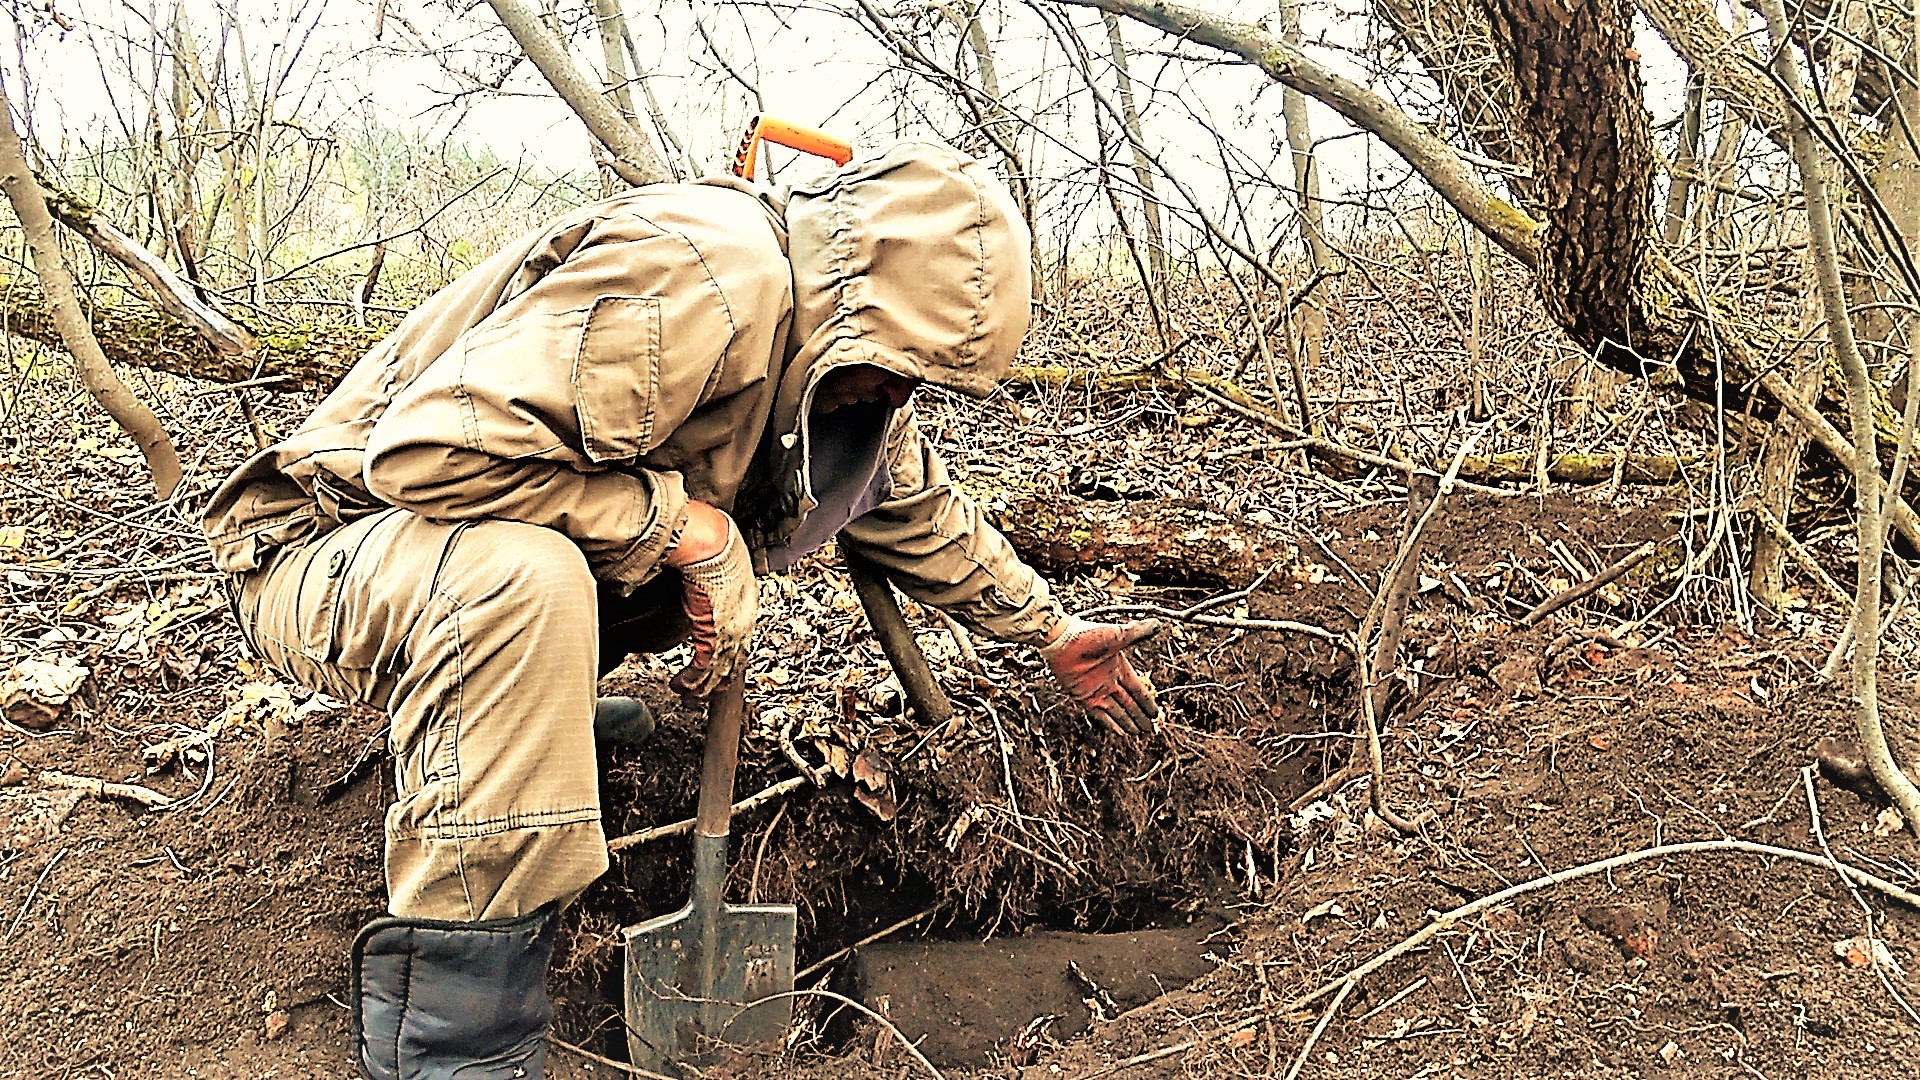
{"points": [[804, 139]]}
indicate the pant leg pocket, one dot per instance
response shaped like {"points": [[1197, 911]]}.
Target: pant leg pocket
{"points": [[295, 599]]}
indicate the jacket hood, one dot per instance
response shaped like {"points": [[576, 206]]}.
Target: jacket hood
{"points": [[917, 261]]}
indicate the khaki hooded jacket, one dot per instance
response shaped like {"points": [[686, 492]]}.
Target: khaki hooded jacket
{"points": [[665, 344]]}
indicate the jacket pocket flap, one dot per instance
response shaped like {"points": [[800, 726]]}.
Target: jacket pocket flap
{"points": [[616, 377]]}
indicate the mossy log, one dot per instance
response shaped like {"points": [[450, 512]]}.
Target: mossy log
{"points": [[1519, 467], [302, 357], [1161, 541]]}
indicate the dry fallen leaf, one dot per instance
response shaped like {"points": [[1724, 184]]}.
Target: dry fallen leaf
{"points": [[277, 1023], [1889, 822], [1325, 907], [35, 692], [1861, 952]]}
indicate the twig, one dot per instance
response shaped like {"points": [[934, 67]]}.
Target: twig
{"points": [[1410, 988], [1318, 1030], [1389, 606], [1592, 585], [1873, 955], [1448, 920], [661, 832], [1328, 446], [961, 639], [877, 935], [620, 1066], [1284, 625], [106, 789], [1148, 1057], [27, 904], [912, 1050]]}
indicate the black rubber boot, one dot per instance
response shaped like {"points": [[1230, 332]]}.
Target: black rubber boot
{"points": [[621, 721], [452, 1000]]}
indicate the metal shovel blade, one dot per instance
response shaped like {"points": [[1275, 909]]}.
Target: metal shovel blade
{"points": [[690, 989], [711, 975]]}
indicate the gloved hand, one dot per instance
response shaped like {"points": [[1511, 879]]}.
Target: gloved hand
{"points": [[1089, 661], [721, 601]]}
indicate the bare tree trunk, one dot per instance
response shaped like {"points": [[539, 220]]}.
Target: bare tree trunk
{"points": [[1860, 407], [632, 158], [679, 161], [1686, 162], [1136, 141], [1786, 441], [619, 84], [128, 411], [1711, 210], [1306, 188], [1779, 479]]}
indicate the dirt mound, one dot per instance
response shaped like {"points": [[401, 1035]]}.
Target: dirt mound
{"points": [[1720, 962]]}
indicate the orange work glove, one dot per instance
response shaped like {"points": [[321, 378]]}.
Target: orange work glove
{"points": [[721, 601], [1089, 661]]}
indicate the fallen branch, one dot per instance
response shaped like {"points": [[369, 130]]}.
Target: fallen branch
{"points": [[1592, 585], [913, 1051], [617, 1066], [1162, 541], [1519, 466], [165, 288], [106, 789], [1802, 558], [1232, 622], [751, 802], [1319, 1029]]}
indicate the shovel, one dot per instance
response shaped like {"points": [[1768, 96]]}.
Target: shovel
{"points": [[697, 979]]}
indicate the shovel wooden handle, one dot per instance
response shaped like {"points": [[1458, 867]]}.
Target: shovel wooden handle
{"points": [[724, 713], [923, 691]]}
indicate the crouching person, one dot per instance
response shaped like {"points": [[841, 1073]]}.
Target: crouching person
{"points": [[588, 446]]}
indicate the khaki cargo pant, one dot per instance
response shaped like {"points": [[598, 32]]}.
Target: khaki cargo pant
{"points": [[482, 641]]}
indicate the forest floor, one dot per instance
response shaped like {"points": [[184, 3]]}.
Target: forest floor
{"points": [[1064, 904]]}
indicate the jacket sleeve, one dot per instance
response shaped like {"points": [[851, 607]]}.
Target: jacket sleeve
{"points": [[936, 545], [539, 412]]}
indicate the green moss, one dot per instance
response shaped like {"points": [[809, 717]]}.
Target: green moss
{"points": [[1514, 217]]}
